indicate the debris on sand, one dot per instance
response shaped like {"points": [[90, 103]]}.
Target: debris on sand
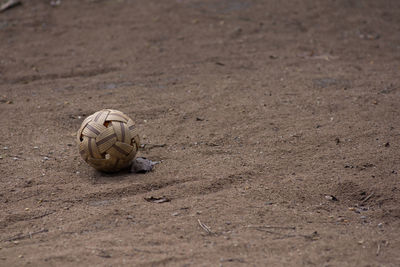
{"points": [[151, 146], [9, 4], [367, 198], [387, 144], [312, 237], [55, 3], [204, 227], [157, 199], [142, 165], [327, 82], [313, 55], [369, 36], [331, 198], [104, 254], [21, 236]]}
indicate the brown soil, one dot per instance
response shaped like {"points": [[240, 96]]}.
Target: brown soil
{"points": [[263, 113]]}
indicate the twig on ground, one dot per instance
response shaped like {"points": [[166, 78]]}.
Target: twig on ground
{"points": [[279, 235], [272, 227], [9, 4], [205, 227], [284, 237], [43, 215], [148, 251], [151, 146], [366, 199], [269, 232], [20, 236], [378, 250]]}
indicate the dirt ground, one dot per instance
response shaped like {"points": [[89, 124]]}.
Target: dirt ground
{"points": [[277, 124]]}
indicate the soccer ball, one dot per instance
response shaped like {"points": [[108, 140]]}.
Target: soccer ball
{"points": [[107, 140]]}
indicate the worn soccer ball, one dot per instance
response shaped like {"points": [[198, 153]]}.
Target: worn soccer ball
{"points": [[107, 140]]}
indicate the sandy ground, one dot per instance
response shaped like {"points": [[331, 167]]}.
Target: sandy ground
{"points": [[277, 124]]}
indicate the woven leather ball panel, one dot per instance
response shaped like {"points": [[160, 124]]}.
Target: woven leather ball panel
{"points": [[107, 140]]}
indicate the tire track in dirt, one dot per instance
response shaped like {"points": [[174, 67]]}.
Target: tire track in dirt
{"points": [[211, 186], [17, 217], [53, 76], [130, 190], [215, 186]]}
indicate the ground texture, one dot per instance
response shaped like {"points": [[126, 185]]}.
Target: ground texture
{"points": [[277, 124]]}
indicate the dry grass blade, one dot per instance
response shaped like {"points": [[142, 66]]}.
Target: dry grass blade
{"points": [[20, 236], [157, 199], [151, 146], [9, 4], [43, 215], [366, 199], [205, 227], [272, 227]]}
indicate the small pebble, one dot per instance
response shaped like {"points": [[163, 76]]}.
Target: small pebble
{"points": [[35, 147], [142, 165], [5, 148], [175, 214], [331, 197]]}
